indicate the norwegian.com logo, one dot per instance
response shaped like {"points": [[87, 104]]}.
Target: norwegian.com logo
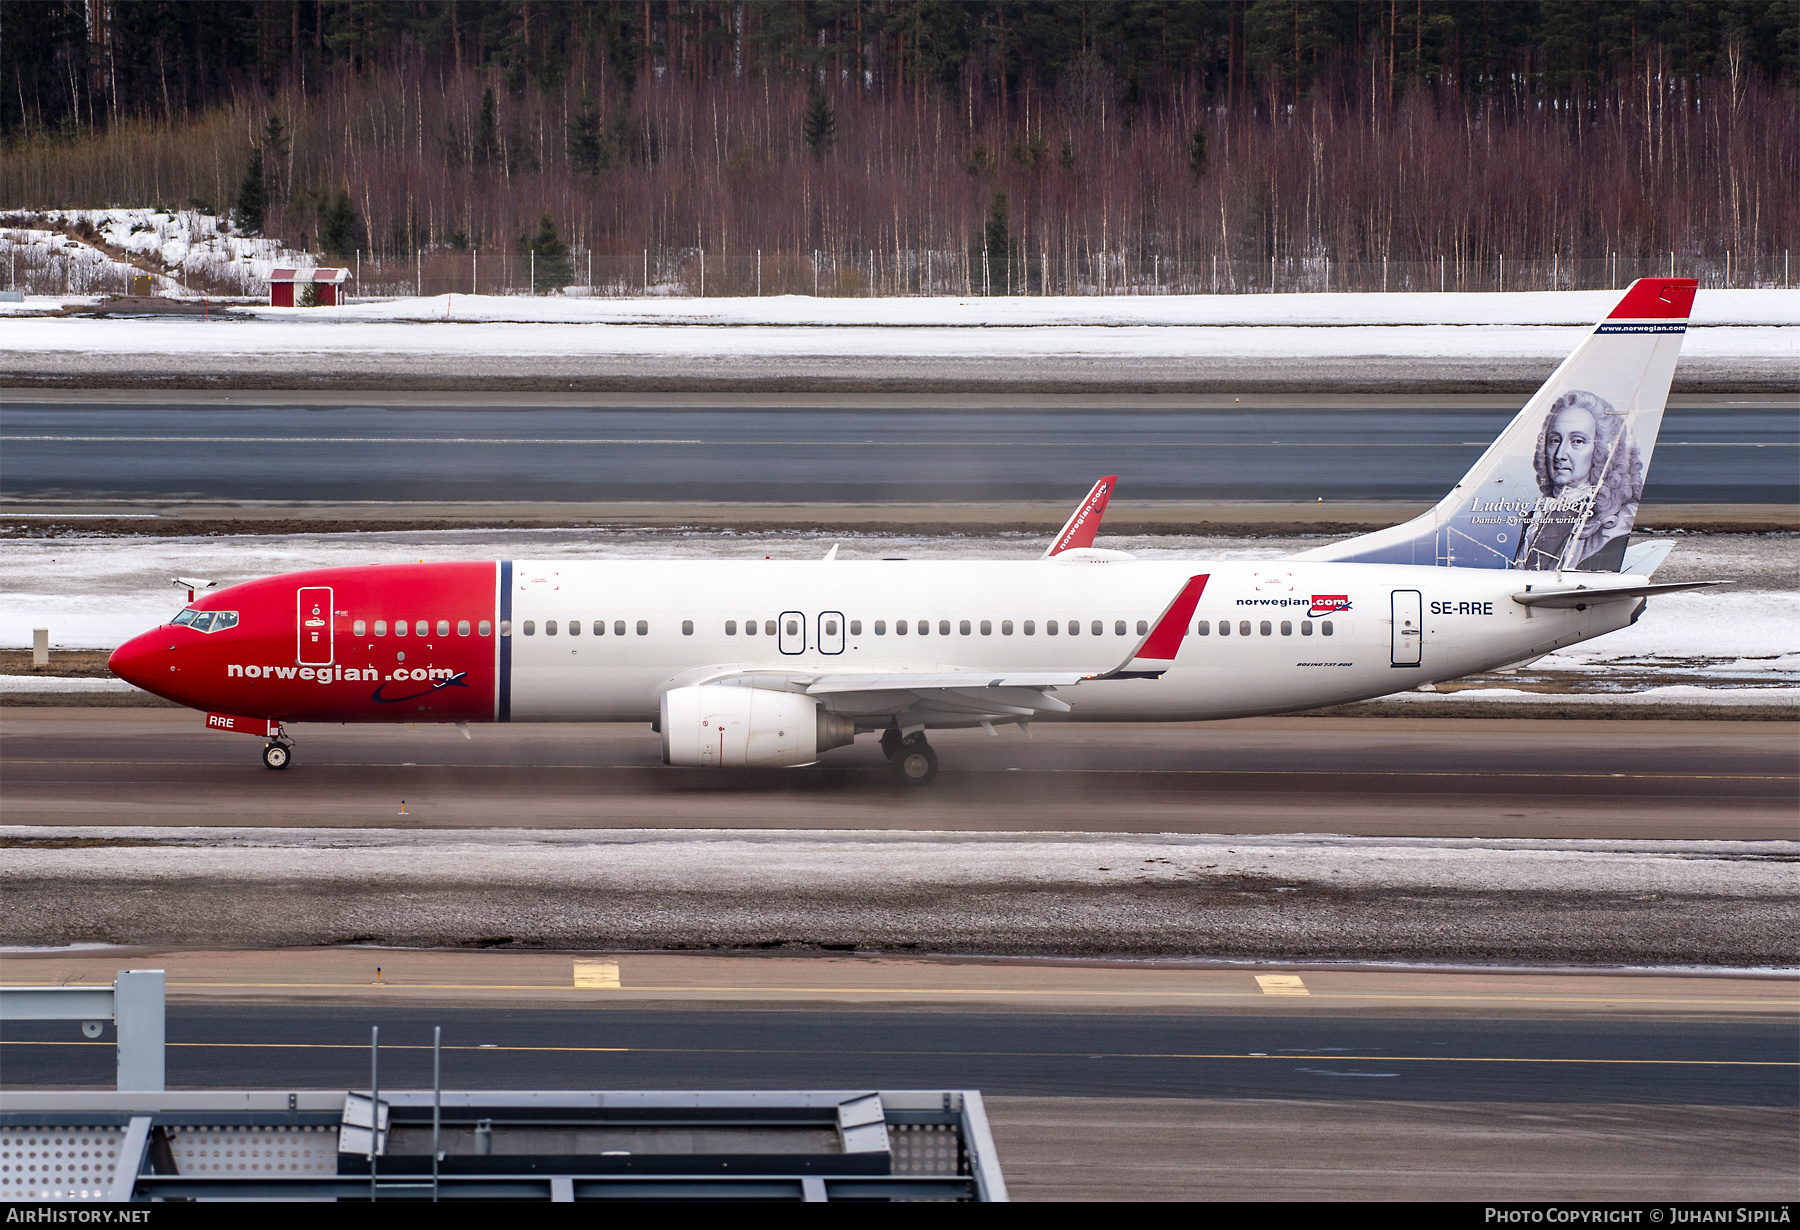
{"points": [[1329, 604]]}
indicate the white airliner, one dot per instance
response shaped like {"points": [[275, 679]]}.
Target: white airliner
{"points": [[763, 662]]}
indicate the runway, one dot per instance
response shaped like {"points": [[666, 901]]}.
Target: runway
{"points": [[1712, 449], [1397, 777], [1121, 1080]]}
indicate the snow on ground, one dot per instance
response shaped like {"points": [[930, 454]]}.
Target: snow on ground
{"points": [[186, 253], [97, 593]]}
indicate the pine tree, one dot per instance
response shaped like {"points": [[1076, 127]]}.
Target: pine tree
{"points": [[252, 197], [999, 245], [338, 225], [1197, 151], [554, 270], [275, 139], [487, 133], [589, 150], [820, 125]]}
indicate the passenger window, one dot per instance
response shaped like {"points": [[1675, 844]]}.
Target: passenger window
{"points": [[530, 628], [485, 628], [506, 627], [462, 627], [1006, 627], [687, 627], [1074, 627], [399, 627], [1266, 628], [1224, 627], [944, 627], [599, 627], [925, 627], [1118, 627], [1243, 627], [831, 627], [793, 627], [856, 627], [549, 627], [881, 627], [643, 628], [731, 627], [381, 627], [900, 627], [618, 627], [443, 627], [574, 627], [1325, 628], [769, 627], [359, 628], [422, 628], [987, 628], [1143, 627], [1306, 627], [962, 628], [1203, 628], [1030, 627], [1098, 627], [1287, 628], [749, 627], [1051, 627]]}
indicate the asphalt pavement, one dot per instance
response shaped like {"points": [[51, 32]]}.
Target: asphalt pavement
{"points": [[1407, 777], [1736, 450]]}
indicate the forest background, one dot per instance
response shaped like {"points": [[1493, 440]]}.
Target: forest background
{"points": [[1028, 145]]}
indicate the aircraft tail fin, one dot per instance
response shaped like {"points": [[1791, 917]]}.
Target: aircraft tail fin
{"points": [[1079, 530], [1560, 487]]}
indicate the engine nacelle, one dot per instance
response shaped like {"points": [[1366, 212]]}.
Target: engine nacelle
{"points": [[718, 724]]}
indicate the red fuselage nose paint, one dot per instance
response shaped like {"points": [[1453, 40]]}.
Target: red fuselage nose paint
{"points": [[327, 646]]}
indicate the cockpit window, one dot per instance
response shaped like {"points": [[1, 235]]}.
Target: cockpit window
{"points": [[207, 621]]}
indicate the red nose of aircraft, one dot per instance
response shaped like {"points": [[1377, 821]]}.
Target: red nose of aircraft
{"points": [[146, 661]]}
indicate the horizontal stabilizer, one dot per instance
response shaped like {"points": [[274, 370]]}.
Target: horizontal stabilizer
{"points": [[1581, 597]]}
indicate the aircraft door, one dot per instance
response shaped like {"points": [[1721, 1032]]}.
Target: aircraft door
{"points": [[314, 622], [793, 632], [1409, 629], [831, 632]]}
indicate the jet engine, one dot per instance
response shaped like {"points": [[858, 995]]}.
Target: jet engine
{"points": [[715, 724]]}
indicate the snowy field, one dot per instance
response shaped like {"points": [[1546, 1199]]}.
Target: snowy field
{"points": [[1741, 642], [176, 247]]}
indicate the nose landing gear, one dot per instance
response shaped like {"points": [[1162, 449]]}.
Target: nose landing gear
{"points": [[912, 759], [278, 753]]}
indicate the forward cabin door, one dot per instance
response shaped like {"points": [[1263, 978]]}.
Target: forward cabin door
{"points": [[793, 632], [1409, 627], [315, 623], [831, 632]]}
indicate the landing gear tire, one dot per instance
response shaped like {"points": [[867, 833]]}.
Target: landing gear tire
{"points": [[915, 764], [890, 743], [278, 755]]}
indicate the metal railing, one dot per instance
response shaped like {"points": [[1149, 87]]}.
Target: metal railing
{"points": [[135, 1005]]}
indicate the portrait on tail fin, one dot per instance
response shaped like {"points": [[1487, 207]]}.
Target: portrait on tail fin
{"points": [[1591, 480]]}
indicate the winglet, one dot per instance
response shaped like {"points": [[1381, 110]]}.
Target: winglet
{"points": [[1084, 522], [1157, 650]]}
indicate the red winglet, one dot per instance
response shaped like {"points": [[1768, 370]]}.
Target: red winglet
{"points": [[1080, 528], [1165, 639], [1656, 299]]}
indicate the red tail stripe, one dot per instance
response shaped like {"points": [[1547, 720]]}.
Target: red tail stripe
{"points": [[1165, 639], [1656, 299]]}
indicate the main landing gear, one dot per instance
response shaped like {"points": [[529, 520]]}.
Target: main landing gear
{"points": [[278, 753], [912, 759]]}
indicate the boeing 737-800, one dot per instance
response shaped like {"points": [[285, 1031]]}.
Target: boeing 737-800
{"points": [[765, 662]]}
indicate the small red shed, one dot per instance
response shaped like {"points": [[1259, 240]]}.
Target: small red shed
{"points": [[285, 286]]}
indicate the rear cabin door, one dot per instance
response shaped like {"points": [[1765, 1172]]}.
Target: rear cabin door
{"points": [[1409, 630], [315, 623]]}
